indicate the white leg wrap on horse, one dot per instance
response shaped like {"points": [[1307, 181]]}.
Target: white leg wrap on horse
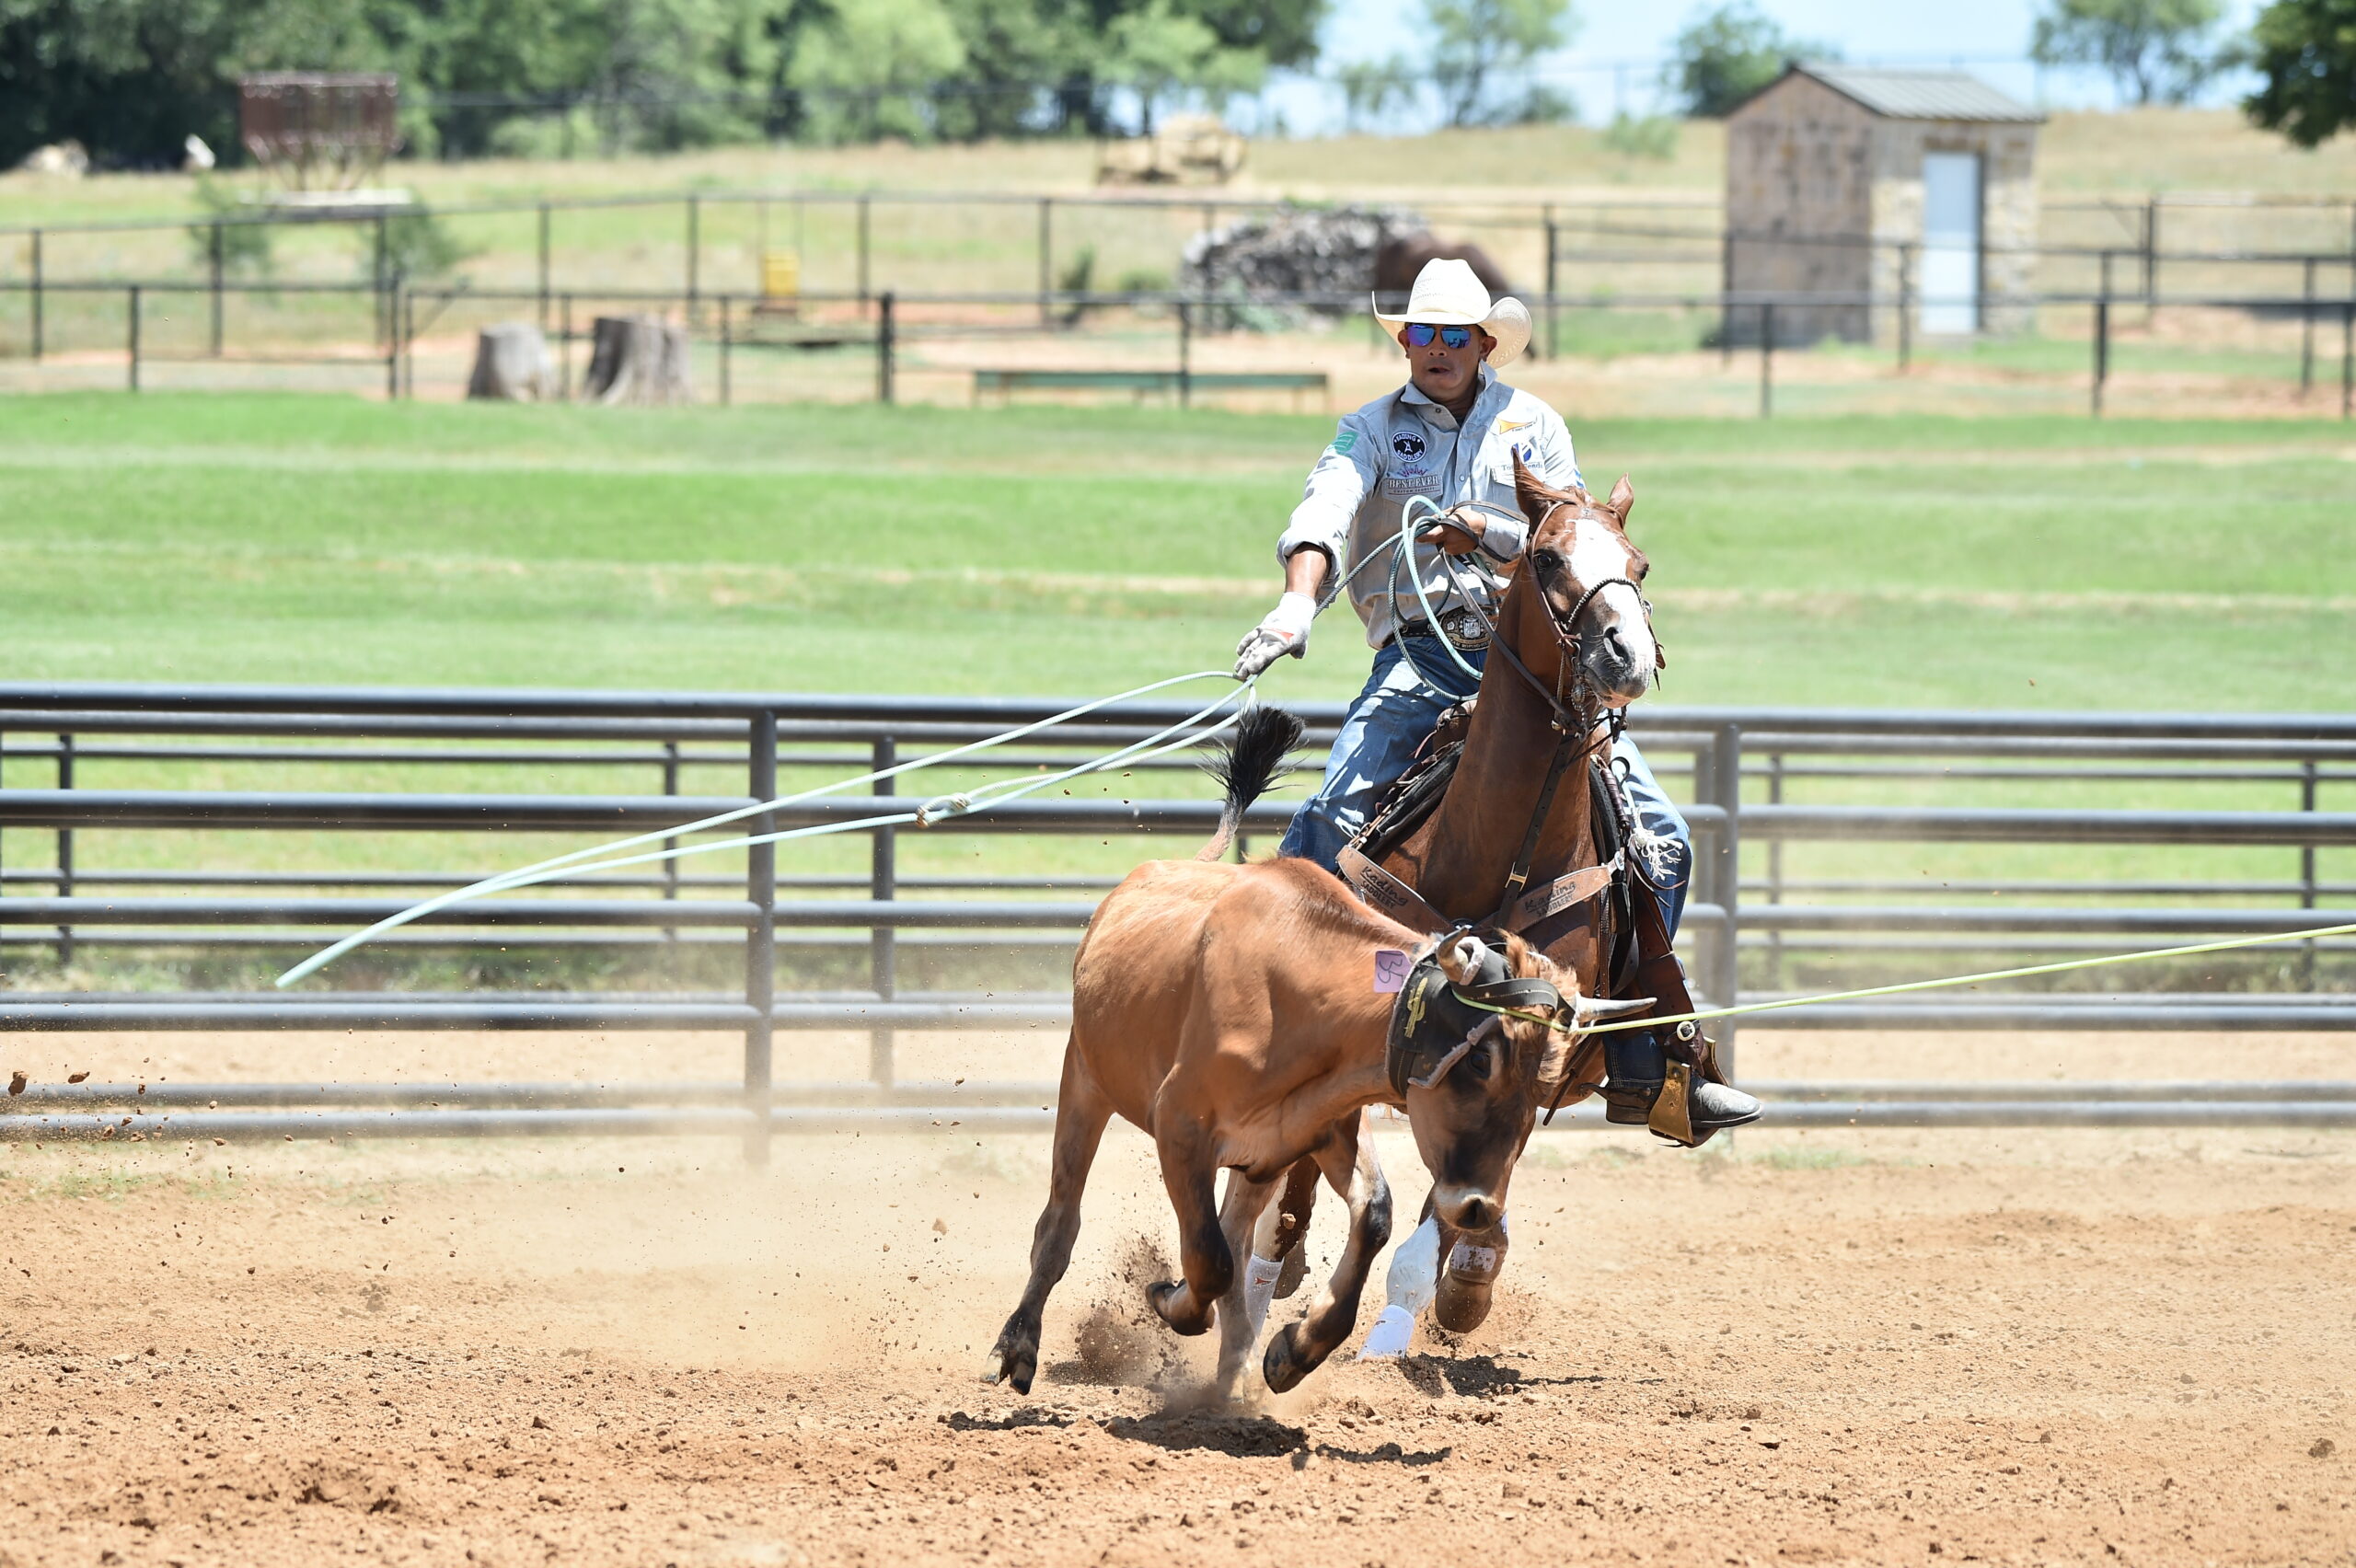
{"points": [[1414, 1270], [1265, 1228], [1258, 1289], [1410, 1285], [1391, 1334]]}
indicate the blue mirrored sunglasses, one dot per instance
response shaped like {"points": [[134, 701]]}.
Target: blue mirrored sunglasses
{"points": [[1420, 335]]}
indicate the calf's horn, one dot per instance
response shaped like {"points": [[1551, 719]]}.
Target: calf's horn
{"points": [[1594, 1009]]}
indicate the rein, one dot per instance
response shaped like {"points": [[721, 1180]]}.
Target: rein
{"points": [[1578, 719]]}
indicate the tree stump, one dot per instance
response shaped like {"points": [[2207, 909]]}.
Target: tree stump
{"points": [[512, 366], [638, 359]]}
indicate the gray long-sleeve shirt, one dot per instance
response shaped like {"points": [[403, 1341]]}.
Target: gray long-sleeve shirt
{"points": [[1402, 445]]}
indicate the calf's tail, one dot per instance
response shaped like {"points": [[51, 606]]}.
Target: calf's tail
{"points": [[1256, 753]]}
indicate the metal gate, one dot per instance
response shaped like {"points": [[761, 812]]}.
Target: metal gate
{"points": [[86, 765]]}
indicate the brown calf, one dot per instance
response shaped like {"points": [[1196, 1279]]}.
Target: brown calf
{"points": [[1231, 1012]]}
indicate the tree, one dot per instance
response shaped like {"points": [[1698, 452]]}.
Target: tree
{"points": [[130, 79], [2154, 50], [1371, 88], [1284, 31], [1159, 53], [864, 70], [1724, 55], [1473, 42], [1020, 60], [2305, 52]]}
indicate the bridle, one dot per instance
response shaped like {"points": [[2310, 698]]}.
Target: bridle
{"points": [[1581, 721], [1572, 698]]}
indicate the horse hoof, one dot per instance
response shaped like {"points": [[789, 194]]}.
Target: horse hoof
{"points": [[1012, 1362], [1163, 1295], [1282, 1366]]}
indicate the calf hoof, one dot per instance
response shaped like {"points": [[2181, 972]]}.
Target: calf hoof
{"points": [[1284, 1366], [1167, 1306], [1014, 1359]]}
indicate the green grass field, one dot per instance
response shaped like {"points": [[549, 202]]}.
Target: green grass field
{"points": [[1981, 563], [1987, 564]]}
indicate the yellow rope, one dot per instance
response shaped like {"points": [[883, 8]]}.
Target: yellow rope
{"points": [[1706, 1013]]}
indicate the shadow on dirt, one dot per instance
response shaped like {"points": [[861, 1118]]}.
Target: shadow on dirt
{"points": [[1029, 1415], [1241, 1436], [1256, 1437], [1482, 1377], [1384, 1454]]}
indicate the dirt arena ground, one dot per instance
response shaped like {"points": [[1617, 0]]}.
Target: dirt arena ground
{"points": [[1825, 1347]]}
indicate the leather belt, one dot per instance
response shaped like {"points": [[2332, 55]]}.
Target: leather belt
{"points": [[1458, 625]]}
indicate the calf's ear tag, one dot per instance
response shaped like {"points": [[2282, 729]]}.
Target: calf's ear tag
{"points": [[1391, 968]]}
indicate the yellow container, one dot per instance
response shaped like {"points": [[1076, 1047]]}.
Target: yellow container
{"points": [[780, 275]]}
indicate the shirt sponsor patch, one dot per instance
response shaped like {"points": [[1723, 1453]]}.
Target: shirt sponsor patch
{"points": [[1344, 442], [1504, 426], [1408, 443], [1398, 485]]}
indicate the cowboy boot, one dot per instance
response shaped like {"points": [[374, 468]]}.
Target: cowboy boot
{"points": [[1638, 1067]]}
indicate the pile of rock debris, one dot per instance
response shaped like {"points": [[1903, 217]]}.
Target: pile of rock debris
{"points": [[1327, 252]]}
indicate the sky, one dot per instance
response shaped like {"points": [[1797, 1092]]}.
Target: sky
{"points": [[1613, 61]]}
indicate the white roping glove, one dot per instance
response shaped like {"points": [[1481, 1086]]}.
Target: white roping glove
{"points": [[1284, 630]]}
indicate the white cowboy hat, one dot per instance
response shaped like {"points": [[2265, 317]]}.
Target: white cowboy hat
{"points": [[1447, 293]]}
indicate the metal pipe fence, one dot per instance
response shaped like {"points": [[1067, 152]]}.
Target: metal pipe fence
{"points": [[2105, 231], [886, 329], [1605, 261], [80, 917]]}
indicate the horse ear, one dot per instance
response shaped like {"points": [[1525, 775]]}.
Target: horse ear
{"points": [[1534, 495], [1623, 500]]}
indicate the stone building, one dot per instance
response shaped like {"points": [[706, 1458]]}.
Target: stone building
{"points": [[1873, 187]]}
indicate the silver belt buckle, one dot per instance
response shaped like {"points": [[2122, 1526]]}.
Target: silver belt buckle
{"points": [[1464, 629]]}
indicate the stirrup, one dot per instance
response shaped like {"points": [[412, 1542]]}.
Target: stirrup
{"points": [[1668, 1107]]}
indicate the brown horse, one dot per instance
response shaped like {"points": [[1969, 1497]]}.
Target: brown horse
{"points": [[1401, 257], [1573, 643]]}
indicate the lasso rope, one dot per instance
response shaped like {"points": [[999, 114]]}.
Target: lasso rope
{"points": [[968, 803], [941, 807], [1704, 1014]]}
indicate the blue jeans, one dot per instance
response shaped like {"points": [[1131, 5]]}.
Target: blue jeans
{"points": [[1389, 721]]}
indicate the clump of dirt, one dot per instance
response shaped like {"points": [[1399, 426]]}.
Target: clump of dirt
{"points": [[1121, 1341], [344, 1486]]}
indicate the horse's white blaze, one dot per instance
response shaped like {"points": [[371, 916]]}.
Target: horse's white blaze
{"points": [[1599, 552]]}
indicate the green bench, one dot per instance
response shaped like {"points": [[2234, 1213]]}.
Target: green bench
{"points": [[1006, 383]]}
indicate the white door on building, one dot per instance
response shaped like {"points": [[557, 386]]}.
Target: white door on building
{"points": [[1949, 287]]}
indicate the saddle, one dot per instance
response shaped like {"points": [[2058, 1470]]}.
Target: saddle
{"points": [[1617, 896], [1410, 803]]}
